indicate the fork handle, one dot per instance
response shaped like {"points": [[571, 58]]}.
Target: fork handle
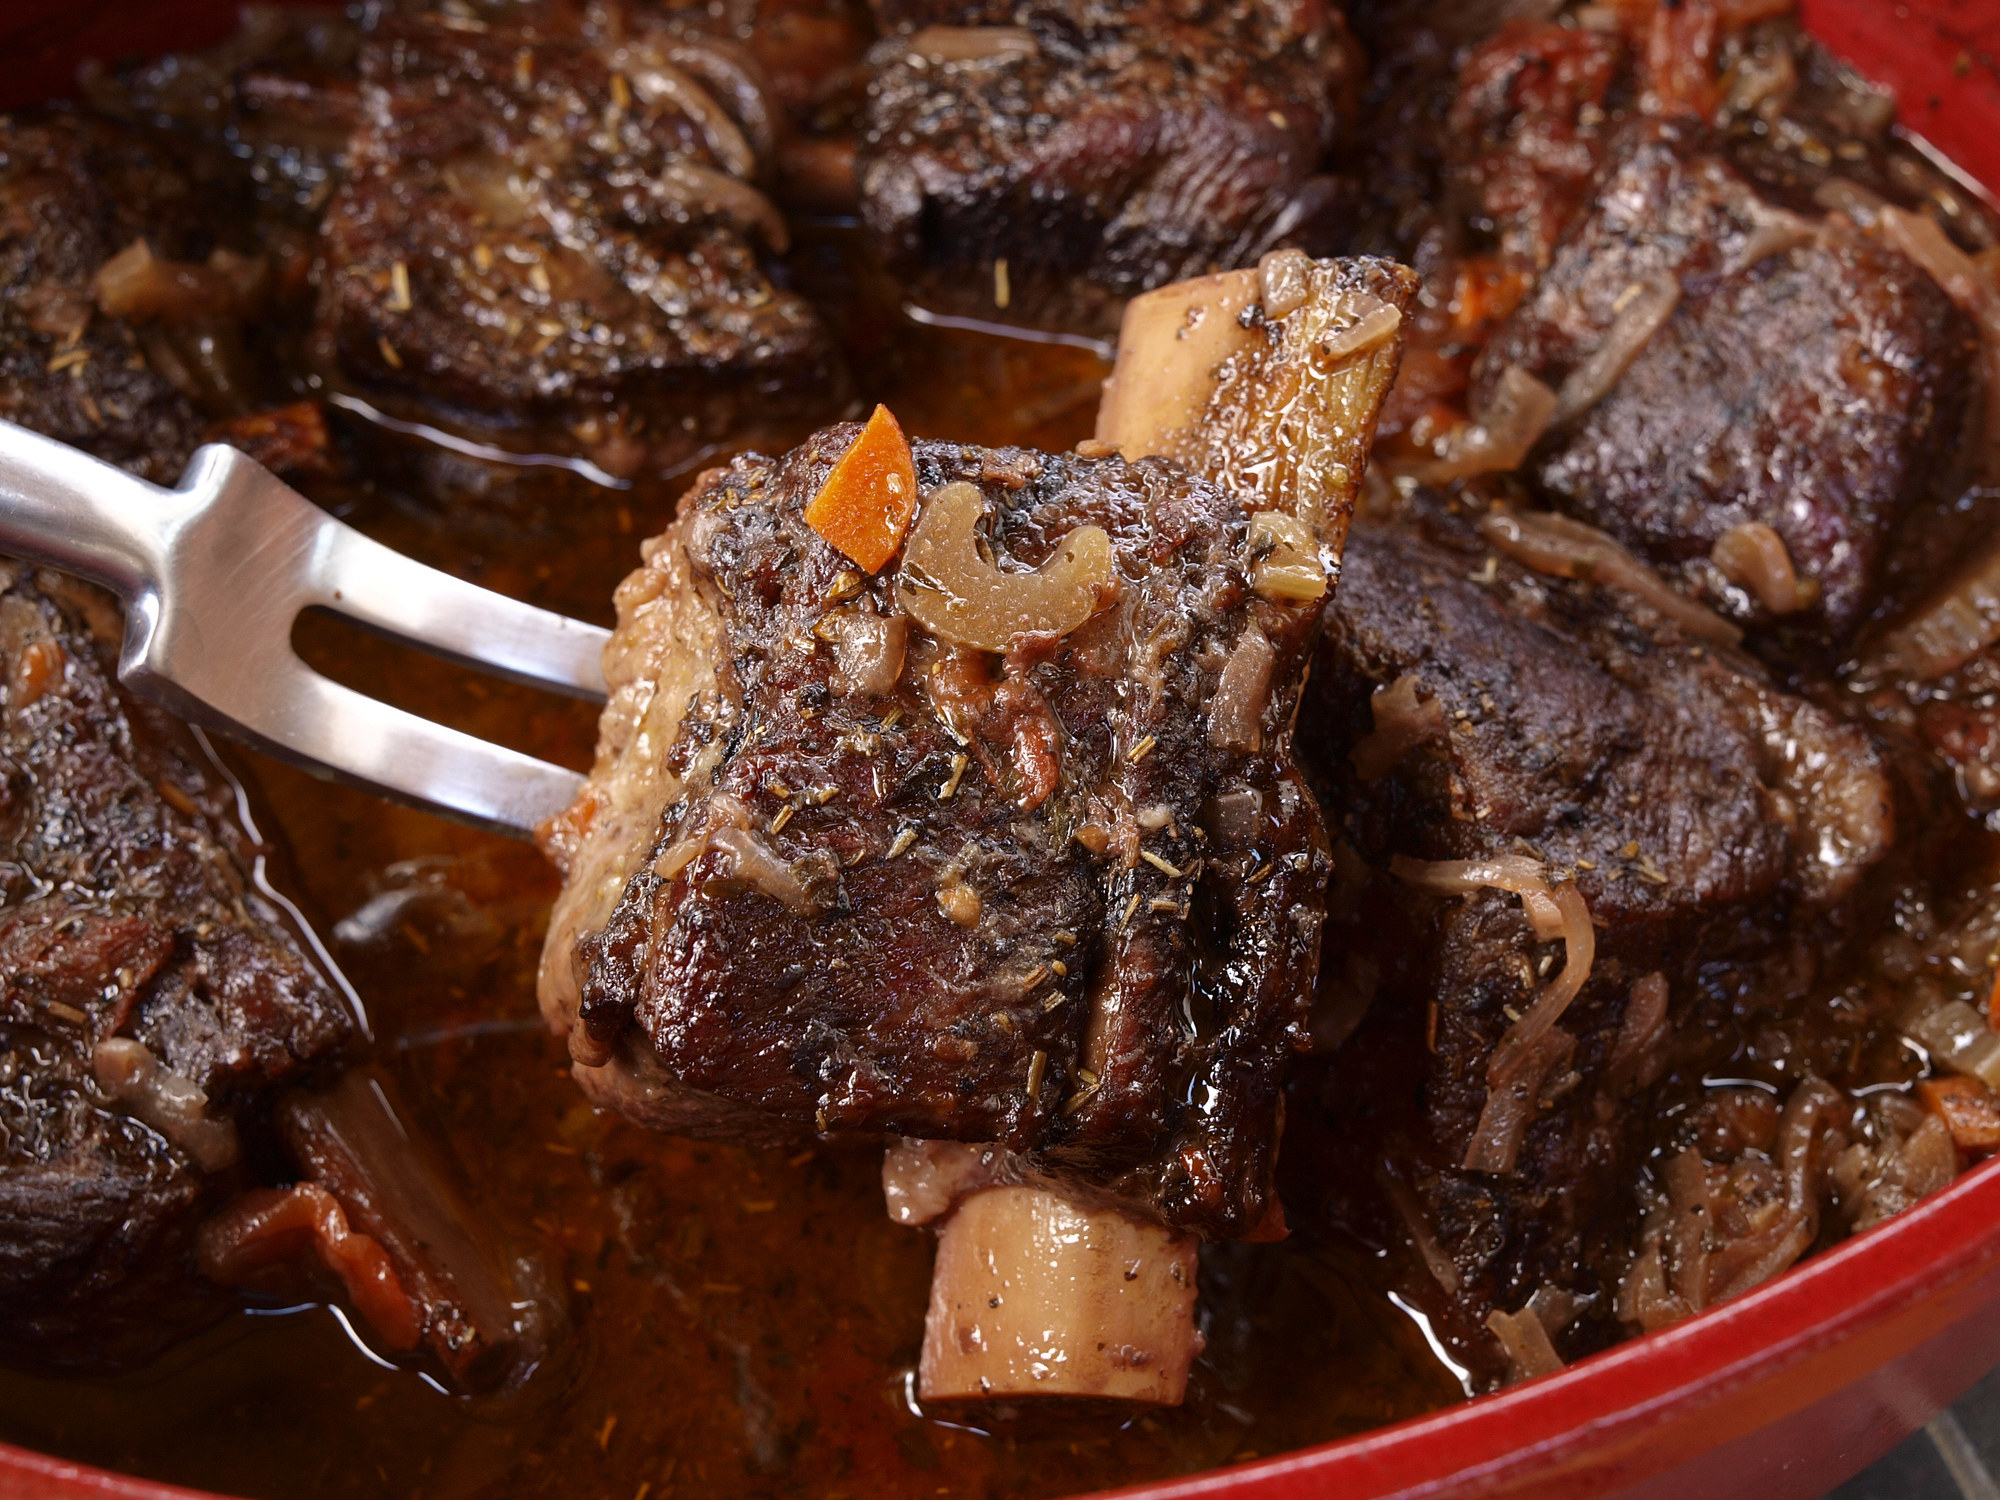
{"points": [[61, 507]]}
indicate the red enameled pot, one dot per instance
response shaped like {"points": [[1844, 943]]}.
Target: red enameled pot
{"points": [[1779, 1395]]}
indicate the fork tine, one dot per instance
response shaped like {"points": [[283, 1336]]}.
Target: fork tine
{"points": [[300, 716], [290, 544], [378, 587]]}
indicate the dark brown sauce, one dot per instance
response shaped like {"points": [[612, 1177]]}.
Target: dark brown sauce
{"points": [[747, 1321]]}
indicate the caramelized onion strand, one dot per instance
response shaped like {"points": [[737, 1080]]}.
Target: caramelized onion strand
{"points": [[1566, 548]]}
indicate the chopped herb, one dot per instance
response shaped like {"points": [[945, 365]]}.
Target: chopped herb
{"points": [[959, 762]]}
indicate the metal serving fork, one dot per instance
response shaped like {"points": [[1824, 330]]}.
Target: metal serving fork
{"points": [[214, 574]]}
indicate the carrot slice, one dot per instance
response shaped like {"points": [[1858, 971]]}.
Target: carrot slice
{"points": [[865, 506], [1968, 1108]]}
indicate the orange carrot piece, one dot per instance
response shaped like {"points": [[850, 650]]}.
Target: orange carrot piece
{"points": [[865, 506], [1969, 1109]]}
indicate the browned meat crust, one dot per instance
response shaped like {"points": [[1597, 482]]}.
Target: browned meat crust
{"points": [[1039, 907], [1524, 135], [556, 231], [1809, 379], [130, 262], [280, 97], [1710, 820], [128, 914], [75, 190], [1106, 149]]}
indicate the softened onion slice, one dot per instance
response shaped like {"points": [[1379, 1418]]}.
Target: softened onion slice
{"points": [[658, 82], [1919, 237], [1403, 720], [1648, 305], [1285, 565], [1842, 195], [1284, 281], [1959, 1038], [1643, 1295], [1753, 556], [1557, 910], [710, 193], [177, 1107], [957, 44], [752, 863], [959, 597], [1947, 631], [1376, 324], [868, 651], [1529, 1049], [1639, 1032], [1773, 231], [1464, 877], [1811, 1101], [1526, 1340], [1579, 952], [1738, 1265], [731, 75], [1242, 690], [1512, 1100], [139, 286], [724, 811], [1566, 548], [1499, 438]]}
